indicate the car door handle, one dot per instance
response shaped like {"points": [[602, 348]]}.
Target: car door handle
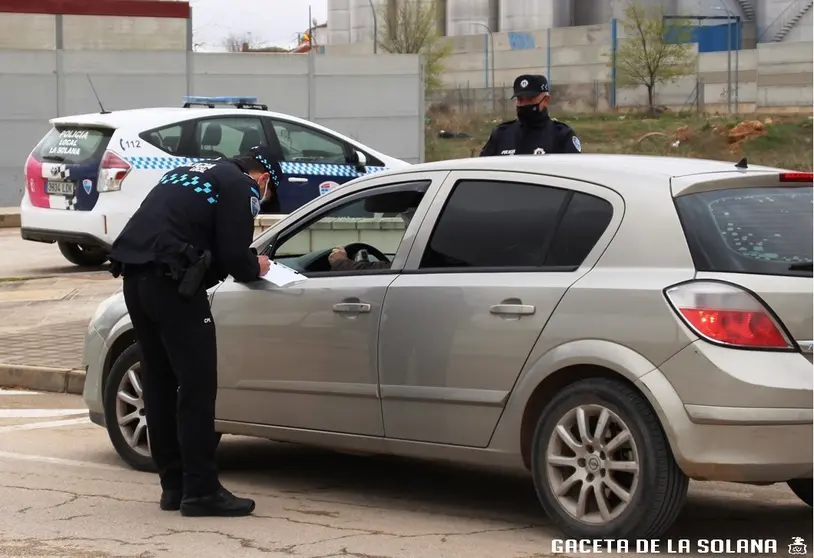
{"points": [[352, 307], [298, 180], [513, 309]]}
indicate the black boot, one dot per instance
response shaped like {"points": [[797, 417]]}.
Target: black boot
{"points": [[171, 500], [220, 504]]}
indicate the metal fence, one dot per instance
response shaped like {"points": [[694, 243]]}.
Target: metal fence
{"points": [[377, 100]]}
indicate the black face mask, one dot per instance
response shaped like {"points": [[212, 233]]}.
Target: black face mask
{"points": [[531, 114]]}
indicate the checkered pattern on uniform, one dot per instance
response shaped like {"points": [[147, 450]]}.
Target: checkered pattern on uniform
{"points": [[312, 169], [191, 181]]}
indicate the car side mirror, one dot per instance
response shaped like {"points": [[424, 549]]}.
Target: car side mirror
{"points": [[360, 160]]}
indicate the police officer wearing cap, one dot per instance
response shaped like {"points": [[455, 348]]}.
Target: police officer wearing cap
{"points": [[534, 132], [192, 230]]}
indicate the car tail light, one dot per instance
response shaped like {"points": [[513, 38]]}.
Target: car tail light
{"points": [[797, 177], [727, 315], [112, 172]]}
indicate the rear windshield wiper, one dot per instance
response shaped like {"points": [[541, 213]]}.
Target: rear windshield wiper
{"points": [[806, 266], [57, 158]]}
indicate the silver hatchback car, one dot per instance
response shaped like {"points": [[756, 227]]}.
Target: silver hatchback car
{"points": [[611, 325]]}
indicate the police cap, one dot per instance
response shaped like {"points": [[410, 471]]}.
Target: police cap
{"points": [[530, 86], [266, 157]]}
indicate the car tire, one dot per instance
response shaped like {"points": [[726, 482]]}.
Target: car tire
{"points": [[84, 256], [802, 488], [123, 398], [639, 463]]}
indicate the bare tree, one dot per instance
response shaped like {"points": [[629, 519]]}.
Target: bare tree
{"points": [[241, 43], [411, 27], [655, 50]]}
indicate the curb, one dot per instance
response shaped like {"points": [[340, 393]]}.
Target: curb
{"points": [[42, 378], [9, 217]]}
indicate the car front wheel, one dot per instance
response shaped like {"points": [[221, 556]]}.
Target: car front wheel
{"points": [[124, 411], [602, 465]]}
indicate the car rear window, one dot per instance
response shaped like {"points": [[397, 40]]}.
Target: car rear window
{"points": [[73, 144], [763, 231]]}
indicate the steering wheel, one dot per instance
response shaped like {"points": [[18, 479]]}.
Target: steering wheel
{"points": [[355, 247]]}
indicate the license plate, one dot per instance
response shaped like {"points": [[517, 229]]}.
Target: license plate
{"points": [[60, 188]]}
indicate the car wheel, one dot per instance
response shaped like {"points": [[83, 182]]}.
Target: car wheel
{"points": [[802, 488], [602, 465], [124, 412], [85, 256]]}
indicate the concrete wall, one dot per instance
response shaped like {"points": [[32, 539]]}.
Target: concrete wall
{"points": [[79, 32], [376, 100], [771, 76]]}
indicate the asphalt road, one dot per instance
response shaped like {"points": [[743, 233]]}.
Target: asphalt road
{"points": [[64, 493], [22, 258]]}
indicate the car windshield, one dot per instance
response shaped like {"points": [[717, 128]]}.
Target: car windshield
{"points": [[750, 230]]}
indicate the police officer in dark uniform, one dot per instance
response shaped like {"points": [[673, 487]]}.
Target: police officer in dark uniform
{"points": [[534, 132], [192, 230]]}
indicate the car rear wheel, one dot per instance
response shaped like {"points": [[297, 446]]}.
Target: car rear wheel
{"points": [[802, 488], [85, 256], [602, 465], [124, 411]]}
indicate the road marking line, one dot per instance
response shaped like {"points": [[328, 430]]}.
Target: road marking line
{"points": [[39, 413], [40, 425], [18, 392], [58, 461]]}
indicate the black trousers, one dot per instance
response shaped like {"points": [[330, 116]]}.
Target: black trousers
{"points": [[179, 378]]}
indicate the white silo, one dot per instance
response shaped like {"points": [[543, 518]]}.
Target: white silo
{"points": [[361, 19], [531, 15], [466, 17], [338, 22]]}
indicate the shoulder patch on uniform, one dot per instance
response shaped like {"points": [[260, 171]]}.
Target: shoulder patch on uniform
{"points": [[255, 206], [577, 143]]}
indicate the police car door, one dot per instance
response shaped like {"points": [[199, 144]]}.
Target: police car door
{"points": [[313, 164]]}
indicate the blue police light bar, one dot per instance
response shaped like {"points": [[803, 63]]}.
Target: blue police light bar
{"points": [[220, 100]]}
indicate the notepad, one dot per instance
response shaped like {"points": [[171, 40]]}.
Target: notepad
{"points": [[283, 276]]}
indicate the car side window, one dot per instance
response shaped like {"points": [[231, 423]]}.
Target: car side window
{"points": [[582, 225], [304, 145], [228, 137], [494, 224], [167, 139], [380, 221]]}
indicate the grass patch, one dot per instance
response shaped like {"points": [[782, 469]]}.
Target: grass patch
{"points": [[782, 141]]}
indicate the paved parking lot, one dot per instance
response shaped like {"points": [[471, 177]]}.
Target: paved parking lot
{"points": [[64, 493], [22, 258]]}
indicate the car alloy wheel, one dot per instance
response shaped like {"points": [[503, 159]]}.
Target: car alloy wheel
{"points": [[602, 465], [592, 464], [130, 411]]}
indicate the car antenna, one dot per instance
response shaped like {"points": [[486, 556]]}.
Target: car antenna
{"points": [[742, 164], [98, 100]]}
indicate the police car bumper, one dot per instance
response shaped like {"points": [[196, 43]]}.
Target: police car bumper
{"points": [[39, 224]]}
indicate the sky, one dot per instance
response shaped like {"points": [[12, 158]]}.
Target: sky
{"points": [[270, 22]]}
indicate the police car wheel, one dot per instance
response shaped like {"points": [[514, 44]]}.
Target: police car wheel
{"points": [[124, 412], [85, 256], [602, 466], [802, 488]]}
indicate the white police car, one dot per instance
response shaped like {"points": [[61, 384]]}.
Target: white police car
{"points": [[89, 174]]}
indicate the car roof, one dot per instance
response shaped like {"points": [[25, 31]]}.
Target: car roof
{"points": [[147, 118], [593, 167]]}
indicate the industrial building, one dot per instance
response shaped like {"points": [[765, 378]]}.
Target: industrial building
{"points": [[351, 21]]}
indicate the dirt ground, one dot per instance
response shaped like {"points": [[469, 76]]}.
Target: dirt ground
{"points": [[774, 140]]}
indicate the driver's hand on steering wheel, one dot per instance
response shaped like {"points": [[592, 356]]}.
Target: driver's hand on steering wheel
{"points": [[337, 255]]}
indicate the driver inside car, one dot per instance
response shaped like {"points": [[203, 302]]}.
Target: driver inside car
{"points": [[339, 259]]}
